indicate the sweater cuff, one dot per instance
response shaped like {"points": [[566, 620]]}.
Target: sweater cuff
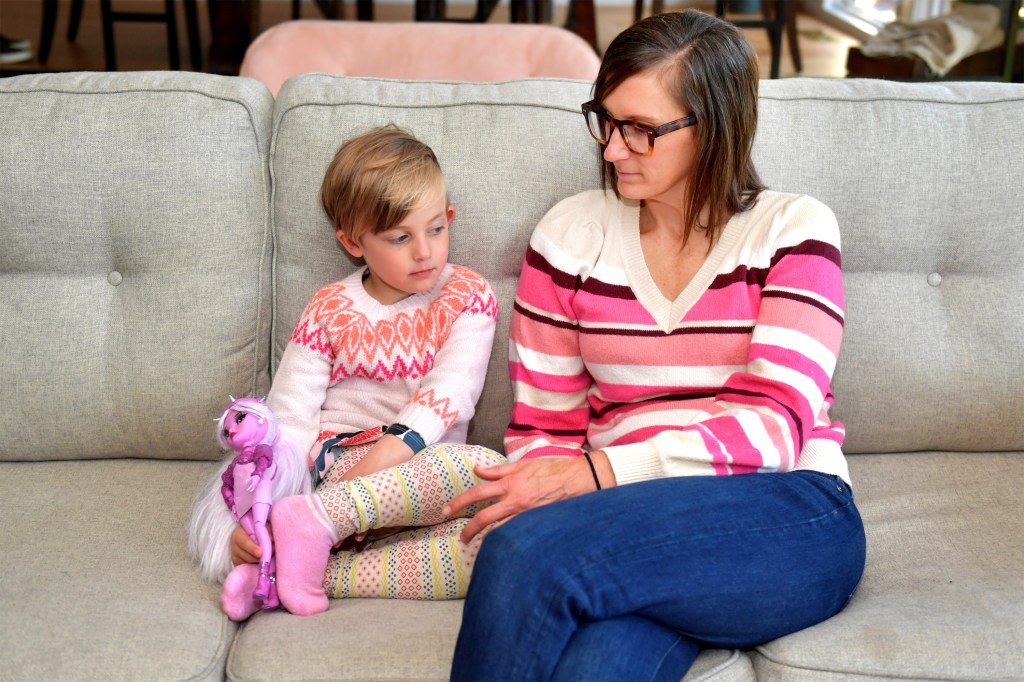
{"points": [[634, 462], [407, 436]]}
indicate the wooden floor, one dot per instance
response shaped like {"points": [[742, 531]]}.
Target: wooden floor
{"points": [[144, 46]]}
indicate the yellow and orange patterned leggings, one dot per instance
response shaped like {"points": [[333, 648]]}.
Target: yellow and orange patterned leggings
{"points": [[423, 558]]}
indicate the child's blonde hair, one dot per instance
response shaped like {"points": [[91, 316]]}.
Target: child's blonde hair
{"points": [[376, 179]]}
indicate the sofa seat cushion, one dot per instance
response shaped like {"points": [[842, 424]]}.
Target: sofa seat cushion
{"points": [[96, 580], [385, 639], [943, 592]]}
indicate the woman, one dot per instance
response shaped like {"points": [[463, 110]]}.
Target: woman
{"points": [[679, 332]]}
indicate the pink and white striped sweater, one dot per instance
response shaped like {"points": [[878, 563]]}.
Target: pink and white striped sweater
{"points": [[731, 377]]}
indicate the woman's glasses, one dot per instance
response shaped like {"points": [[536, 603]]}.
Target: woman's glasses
{"points": [[638, 137]]}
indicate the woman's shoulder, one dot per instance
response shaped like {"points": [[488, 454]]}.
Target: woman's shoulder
{"points": [[794, 218], [578, 223], [593, 205]]}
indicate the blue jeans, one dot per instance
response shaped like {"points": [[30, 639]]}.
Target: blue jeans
{"points": [[632, 582]]}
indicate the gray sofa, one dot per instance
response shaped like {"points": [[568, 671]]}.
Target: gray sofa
{"points": [[161, 232]]}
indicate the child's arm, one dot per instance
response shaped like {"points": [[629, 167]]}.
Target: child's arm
{"points": [[387, 452], [448, 393]]}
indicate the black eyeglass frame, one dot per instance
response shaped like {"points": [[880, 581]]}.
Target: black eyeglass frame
{"points": [[653, 132]]}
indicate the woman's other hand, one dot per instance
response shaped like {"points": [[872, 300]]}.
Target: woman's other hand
{"points": [[518, 486]]}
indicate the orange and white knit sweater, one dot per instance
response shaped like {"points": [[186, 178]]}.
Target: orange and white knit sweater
{"points": [[353, 363]]}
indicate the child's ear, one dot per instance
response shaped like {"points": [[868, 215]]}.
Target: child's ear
{"points": [[451, 213], [350, 244]]}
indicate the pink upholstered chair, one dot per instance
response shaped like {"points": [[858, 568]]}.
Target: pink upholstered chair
{"points": [[417, 50]]}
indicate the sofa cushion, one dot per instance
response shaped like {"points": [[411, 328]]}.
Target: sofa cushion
{"points": [[134, 261], [96, 581], [505, 148], [924, 180], [943, 591], [385, 639]]}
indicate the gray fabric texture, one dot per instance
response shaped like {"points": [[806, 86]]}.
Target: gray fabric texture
{"points": [[943, 592], [385, 639], [97, 584], [134, 261], [509, 151], [924, 181]]}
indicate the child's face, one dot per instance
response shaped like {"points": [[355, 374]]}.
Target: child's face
{"points": [[243, 428], [408, 258]]}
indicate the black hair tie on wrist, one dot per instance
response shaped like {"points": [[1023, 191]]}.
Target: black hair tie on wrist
{"points": [[597, 482]]}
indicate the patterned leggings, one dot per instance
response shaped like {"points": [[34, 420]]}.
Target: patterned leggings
{"points": [[427, 561]]}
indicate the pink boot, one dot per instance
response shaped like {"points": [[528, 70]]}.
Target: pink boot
{"points": [[303, 537], [264, 582]]}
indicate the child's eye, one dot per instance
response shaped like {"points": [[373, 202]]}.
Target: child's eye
{"points": [[401, 239], [434, 231], [240, 417]]}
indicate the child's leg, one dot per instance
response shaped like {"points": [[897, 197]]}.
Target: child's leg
{"points": [[411, 494], [424, 563]]}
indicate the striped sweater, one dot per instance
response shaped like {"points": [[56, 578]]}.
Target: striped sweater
{"points": [[731, 377], [353, 363]]}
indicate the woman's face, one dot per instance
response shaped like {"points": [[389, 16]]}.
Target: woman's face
{"points": [[664, 174]]}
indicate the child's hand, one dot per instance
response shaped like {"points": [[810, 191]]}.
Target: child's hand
{"points": [[244, 549]]}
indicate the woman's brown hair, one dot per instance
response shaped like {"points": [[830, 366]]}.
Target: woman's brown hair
{"points": [[711, 70]]}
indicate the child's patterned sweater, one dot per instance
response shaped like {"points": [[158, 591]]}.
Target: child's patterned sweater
{"points": [[353, 363], [731, 377]]}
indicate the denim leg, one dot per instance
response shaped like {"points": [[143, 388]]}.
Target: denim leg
{"points": [[726, 561], [644, 651]]}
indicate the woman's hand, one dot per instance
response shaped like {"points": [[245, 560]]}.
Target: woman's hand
{"points": [[244, 549], [515, 487]]}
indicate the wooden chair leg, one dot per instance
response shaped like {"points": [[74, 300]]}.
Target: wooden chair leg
{"points": [[75, 20], [792, 36], [192, 28], [107, 18], [171, 19], [47, 30]]}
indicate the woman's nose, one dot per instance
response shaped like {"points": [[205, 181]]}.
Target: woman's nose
{"points": [[616, 149]]}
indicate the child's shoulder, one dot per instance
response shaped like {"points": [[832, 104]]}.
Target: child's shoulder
{"points": [[463, 276], [336, 294], [468, 291]]}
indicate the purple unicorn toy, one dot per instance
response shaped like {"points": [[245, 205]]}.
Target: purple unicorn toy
{"points": [[249, 428]]}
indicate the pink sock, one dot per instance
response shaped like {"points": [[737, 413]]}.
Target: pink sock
{"points": [[303, 537], [236, 599]]}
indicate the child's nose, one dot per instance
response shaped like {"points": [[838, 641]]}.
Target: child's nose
{"points": [[422, 249]]}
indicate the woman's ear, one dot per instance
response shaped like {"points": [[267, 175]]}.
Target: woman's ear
{"points": [[451, 213], [350, 244]]}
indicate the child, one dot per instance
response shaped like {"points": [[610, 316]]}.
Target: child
{"points": [[381, 364]]}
